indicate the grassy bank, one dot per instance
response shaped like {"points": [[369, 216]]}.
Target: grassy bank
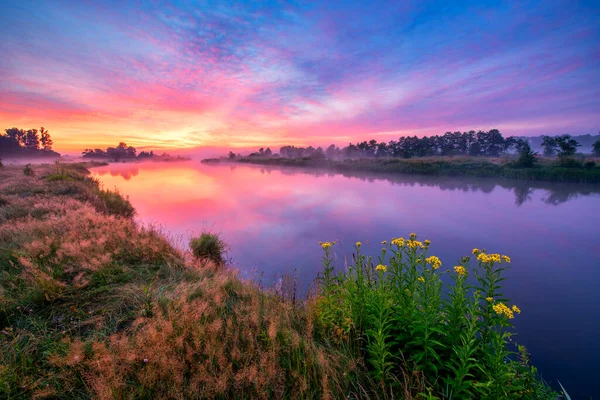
{"points": [[547, 170], [93, 305]]}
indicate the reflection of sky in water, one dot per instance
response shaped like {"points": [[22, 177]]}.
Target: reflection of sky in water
{"points": [[273, 219]]}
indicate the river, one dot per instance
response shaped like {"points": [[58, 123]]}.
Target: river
{"points": [[273, 219]]}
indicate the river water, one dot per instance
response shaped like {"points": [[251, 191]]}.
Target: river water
{"points": [[273, 219]]}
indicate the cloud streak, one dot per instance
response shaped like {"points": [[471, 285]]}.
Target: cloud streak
{"points": [[193, 74]]}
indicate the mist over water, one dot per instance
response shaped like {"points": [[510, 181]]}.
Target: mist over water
{"points": [[274, 218]]}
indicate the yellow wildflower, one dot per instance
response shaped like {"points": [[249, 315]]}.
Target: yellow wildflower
{"points": [[381, 267], [384, 242], [418, 260], [413, 244], [398, 242], [413, 236], [506, 259], [434, 261], [502, 309], [358, 244], [325, 245], [460, 270], [490, 299], [516, 309], [421, 279], [427, 242], [476, 250]]}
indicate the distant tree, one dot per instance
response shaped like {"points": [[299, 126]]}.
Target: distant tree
{"points": [[319, 153], [567, 145], [45, 139], [549, 144], [527, 157], [231, 155], [331, 151], [16, 136], [596, 148], [268, 152], [32, 140], [261, 150]]}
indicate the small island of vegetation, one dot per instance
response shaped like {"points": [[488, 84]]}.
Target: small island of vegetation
{"points": [[477, 154], [123, 152]]}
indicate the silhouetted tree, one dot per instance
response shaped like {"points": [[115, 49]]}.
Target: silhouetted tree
{"points": [[268, 152], [567, 145], [45, 139], [549, 144], [596, 147], [231, 155], [527, 157]]}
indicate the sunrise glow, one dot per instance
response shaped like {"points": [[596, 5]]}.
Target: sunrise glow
{"points": [[206, 75]]}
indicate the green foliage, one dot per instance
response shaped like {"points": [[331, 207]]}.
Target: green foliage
{"points": [[567, 145], [400, 313], [28, 171], [527, 157], [596, 148], [209, 247], [115, 204]]}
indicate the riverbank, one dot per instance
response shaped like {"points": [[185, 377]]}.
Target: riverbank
{"points": [[548, 169], [95, 305]]}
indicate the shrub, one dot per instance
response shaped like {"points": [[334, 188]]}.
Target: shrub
{"points": [[209, 247], [589, 165], [527, 157], [401, 312], [3, 202], [115, 204], [569, 162], [28, 171]]}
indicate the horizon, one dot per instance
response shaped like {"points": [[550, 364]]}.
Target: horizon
{"points": [[200, 77]]}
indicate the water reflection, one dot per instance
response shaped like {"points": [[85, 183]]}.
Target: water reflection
{"points": [[555, 192]]}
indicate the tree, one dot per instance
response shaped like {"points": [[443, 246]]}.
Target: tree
{"points": [[268, 152], [567, 145], [549, 144], [596, 148], [527, 157], [32, 140], [45, 139], [16, 137], [231, 155]]}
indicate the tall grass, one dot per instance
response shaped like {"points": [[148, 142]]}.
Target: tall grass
{"points": [[399, 315]]}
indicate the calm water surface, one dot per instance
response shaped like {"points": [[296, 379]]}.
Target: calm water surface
{"points": [[273, 219]]}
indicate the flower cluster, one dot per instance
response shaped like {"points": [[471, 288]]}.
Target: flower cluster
{"points": [[460, 270], [503, 309], [326, 245], [414, 244], [493, 258], [381, 267], [434, 261], [398, 242]]}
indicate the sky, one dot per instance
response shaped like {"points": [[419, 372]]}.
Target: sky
{"points": [[194, 74]]}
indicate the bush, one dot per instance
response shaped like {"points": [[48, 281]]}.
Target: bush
{"points": [[569, 162], [209, 247], [401, 313], [28, 171], [589, 165], [527, 157], [3, 202], [115, 204]]}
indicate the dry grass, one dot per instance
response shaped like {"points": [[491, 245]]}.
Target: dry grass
{"points": [[94, 305]]}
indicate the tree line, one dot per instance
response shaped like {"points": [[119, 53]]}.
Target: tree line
{"points": [[121, 152], [481, 143], [31, 142]]}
